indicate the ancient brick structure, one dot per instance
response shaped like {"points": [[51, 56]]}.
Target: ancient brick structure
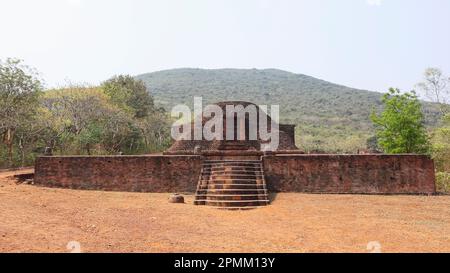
{"points": [[286, 135], [376, 173], [237, 174], [150, 173]]}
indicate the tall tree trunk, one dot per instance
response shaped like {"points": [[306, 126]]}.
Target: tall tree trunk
{"points": [[22, 152], [9, 143]]}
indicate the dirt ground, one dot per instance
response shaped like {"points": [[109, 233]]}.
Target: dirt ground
{"points": [[38, 219]]}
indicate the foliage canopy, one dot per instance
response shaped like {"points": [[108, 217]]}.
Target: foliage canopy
{"points": [[400, 127]]}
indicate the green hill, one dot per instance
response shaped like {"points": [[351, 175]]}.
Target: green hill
{"points": [[328, 116]]}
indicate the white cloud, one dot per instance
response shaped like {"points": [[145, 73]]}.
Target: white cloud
{"points": [[374, 2]]}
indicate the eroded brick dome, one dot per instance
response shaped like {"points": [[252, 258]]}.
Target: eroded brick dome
{"points": [[286, 134]]}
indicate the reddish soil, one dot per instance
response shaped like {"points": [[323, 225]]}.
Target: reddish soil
{"points": [[38, 219]]}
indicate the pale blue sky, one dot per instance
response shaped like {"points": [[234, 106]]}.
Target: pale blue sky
{"points": [[367, 44]]}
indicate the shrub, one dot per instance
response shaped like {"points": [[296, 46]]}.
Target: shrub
{"points": [[443, 182]]}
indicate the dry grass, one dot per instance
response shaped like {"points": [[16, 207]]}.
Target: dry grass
{"points": [[37, 219]]}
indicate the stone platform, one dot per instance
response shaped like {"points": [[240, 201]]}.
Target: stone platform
{"points": [[282, 172]]}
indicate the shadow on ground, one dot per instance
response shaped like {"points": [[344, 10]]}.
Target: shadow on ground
{"points": [[272, 196]]}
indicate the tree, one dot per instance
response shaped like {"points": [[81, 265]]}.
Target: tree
{"points": [[441, 145], [155, 130], [400, 127], [19, 92], [79, 115], [117, 117], [372, 143], [436, 87], [129, 94], [441, 154], [120, 134]]}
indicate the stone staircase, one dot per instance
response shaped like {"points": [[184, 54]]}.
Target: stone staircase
{"points": [[239, 145], [232, 184], [234, 145]]}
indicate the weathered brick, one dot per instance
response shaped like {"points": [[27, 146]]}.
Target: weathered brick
{"points": [[386, 174], [148, 173]]}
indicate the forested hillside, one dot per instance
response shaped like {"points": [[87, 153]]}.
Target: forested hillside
{"points": [[329, 117]]}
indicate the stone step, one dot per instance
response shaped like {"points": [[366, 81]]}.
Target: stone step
{"points": [[234, 147], [248, 174], [229, 195], [230, 164], [230, 191], [229, 207], [232, 197], [231, 181], [232, 203], [228, 161], [231, 176], [199, 202], [233, 186], [244, 183], [237, 172], [231, 161], [232, 168], [238, 208]]}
